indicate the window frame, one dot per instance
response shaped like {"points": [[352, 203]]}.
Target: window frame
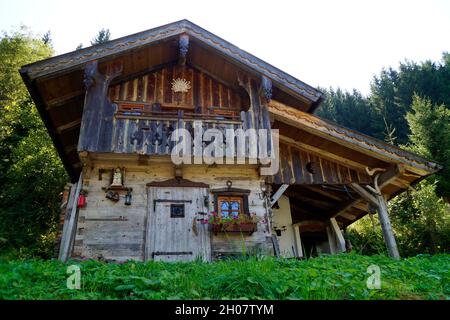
{"points": [[232, 193], [230, 199]]}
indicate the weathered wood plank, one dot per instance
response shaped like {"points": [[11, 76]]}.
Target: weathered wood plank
{"points": [[364, 193], [386, 227], [69, 232], [168, 93], [339, 238]]}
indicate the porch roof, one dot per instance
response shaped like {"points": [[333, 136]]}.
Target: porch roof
{"points": [[355, 157]]}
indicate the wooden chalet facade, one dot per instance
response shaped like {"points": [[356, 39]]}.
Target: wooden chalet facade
{"points": [[111, 110]]}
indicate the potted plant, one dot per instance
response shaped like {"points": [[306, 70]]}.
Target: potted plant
{"points": [[241, 223]]}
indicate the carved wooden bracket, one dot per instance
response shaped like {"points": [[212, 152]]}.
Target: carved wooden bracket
{"points": [[96, 122], [183, 44], [92, 76], [375, 198], [265, 89], [242, 80]]}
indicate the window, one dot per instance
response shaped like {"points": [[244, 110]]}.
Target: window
{"points": [[231, 202], [230, 207], [131, 108], [224, 114], [177, 210]]}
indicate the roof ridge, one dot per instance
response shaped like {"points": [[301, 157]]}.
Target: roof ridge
{"points": [[76, 58]]}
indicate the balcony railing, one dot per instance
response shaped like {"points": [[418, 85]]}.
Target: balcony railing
{"points": [[149, 132]]}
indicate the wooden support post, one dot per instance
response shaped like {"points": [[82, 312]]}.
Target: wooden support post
{"points": [[298, 241], [70, 222], [276, 246], [386, 227], [278, 194], [331, 241], [67, 213], [340, 241], [375, 197]]}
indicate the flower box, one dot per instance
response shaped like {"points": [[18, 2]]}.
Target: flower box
{"points": [[244, 227]]}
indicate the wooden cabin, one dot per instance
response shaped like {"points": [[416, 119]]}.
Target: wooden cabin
{"points": [[112, 111]]}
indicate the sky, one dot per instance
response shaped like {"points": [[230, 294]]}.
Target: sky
{"points": [[323, 43]]}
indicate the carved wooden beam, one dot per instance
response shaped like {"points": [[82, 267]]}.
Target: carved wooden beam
{"points": [[56, 102], [183, 44], [68, 126], [265, 89], [390, 175], [366, 195], [278, 194]]}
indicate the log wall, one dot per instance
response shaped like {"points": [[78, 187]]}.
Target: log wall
{"points": [[109, 230], [155, 87]]}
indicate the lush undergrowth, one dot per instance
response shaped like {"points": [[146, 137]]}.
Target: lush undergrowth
{"points": [[328, 277]]}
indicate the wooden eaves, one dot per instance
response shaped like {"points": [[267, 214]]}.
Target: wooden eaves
{"points": [[56, 86]]}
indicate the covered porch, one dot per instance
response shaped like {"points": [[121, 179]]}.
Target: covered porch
{"points": [[330, 177]]}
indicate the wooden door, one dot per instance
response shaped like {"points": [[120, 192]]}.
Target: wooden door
{"points": [[174, 232]]}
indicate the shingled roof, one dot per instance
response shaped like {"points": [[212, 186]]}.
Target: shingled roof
{"points": [[56, 84], [78, 59]]}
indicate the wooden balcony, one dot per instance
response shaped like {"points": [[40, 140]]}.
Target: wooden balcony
{"points": [[149, 132]]}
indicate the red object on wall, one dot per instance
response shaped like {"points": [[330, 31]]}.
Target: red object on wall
{"points": [[81, 200]]}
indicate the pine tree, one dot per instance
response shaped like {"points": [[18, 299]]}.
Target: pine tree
{"points": [[47, 38], [430, 137], [31, 173], [101, 37]]}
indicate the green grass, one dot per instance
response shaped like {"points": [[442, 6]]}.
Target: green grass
{"points": [[327, 277]]}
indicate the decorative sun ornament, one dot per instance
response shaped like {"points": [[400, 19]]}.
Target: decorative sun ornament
{"points": [[180, 85]]}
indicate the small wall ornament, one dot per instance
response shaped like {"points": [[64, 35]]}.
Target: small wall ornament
{"points": [[128, 198], [81, 199], [279, 229], [114, 196], [116, 186], [180, 85], [117, 179]]}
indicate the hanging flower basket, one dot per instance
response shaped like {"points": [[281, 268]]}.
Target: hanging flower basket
{"points": [[244, 227], [241, 224]]}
